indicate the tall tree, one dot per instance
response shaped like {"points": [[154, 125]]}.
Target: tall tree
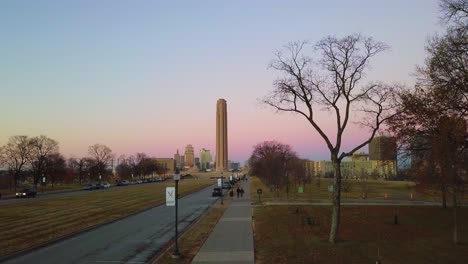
{"points": [[333, 84], [56, 168], [276, 164], [434, 114], [15, 155], [43, 148], [101, 156]]}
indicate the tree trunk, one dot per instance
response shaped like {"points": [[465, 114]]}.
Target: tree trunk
{"points": [[455, 225], [335, 223]]}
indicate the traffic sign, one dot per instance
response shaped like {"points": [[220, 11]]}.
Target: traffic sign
{"points": [[170, 196]]}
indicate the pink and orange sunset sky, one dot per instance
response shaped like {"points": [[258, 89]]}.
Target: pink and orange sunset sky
{"points": [[144, 76]]}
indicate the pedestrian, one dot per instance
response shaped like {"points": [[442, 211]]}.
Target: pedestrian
{"points": [[242, 192], [238, 192]]}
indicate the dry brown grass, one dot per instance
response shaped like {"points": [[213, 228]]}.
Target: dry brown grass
{"points": [[283, 235], [194, 238], [29, 224]]}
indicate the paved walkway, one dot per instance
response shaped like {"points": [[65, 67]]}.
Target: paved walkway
{"points": [[231, 241]]}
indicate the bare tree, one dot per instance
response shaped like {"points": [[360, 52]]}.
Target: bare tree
{"points": [[102, 157], [43, 148], [333, 84], [15, 155]]}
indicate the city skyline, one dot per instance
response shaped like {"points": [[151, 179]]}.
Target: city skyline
{"points": [[143, 78]]}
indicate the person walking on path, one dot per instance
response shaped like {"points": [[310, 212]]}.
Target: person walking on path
{"points": [[241, 192], [238, 192]]}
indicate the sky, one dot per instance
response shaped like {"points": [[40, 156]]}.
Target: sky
{"points": [[144, 76]]}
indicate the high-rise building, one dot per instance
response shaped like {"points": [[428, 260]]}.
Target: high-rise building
{"points": [[177, 159], [383, 148], [205, 159], [221, 136], [189, 156]]}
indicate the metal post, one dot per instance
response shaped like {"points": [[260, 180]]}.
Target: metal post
{"points": [[176, 253], [222, 188]]}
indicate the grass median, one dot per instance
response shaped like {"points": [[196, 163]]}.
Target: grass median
{"points": [[34, 222]]}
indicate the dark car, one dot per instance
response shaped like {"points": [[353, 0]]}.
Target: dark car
{"points": [[217, 192], [226, 185], [89, 187], [26, 193]]}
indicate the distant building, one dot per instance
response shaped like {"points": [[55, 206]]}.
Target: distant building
{"points": [[221, 135], [383, 148], [167, 163], [177, 159], [189, 156], [233, 165], [359, 168], [205, 159]]}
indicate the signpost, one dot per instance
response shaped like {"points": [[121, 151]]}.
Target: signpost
{"points": [[176, 253]]}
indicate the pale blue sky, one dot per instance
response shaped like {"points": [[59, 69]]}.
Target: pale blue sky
{"points": [[144, 76]]}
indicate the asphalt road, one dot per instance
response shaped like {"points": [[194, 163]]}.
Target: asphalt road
{"points": [[132, 240]]}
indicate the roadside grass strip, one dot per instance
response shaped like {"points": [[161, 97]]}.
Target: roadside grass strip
{"points": [[32, 223]]}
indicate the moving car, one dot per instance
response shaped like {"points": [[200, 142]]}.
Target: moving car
{"points": [[26, 193], [226, 185], [89, 187], [217, 192]]}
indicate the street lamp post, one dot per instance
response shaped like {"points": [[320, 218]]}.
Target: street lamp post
{"points": [[99, 179], [176, 253], [43, 183], [222, 188]]}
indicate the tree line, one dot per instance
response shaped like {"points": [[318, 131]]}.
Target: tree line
{"points": [[35, 159]]}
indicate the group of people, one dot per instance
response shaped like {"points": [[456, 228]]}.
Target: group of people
{"points": [[240, 191]]}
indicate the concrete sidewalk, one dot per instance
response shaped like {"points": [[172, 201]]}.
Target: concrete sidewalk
{"points": [[231, 241]]}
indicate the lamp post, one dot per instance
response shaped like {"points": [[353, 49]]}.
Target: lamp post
{"points": [[176, 253], [43, 182], [222, 188], [99, 179]]}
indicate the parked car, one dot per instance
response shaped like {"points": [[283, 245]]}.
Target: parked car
{"points": [[217, 192], [106, 185], [123, 183], [26, 193], [89, 187]]}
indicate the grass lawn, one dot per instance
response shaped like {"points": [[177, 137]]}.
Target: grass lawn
{"points": [[367, 233], [395, 190], [28, 224]]}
